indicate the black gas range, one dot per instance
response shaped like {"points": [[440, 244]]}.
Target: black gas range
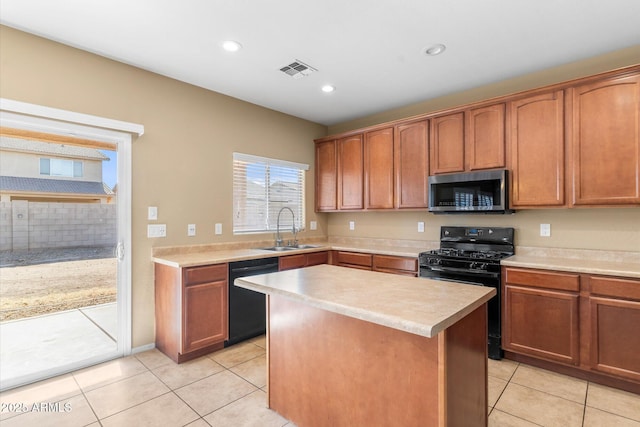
{"points": [[471, 255]]}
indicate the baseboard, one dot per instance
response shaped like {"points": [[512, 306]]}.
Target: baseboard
{"points": [[142, 348]]}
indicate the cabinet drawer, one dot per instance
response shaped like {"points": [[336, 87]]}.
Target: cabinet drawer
{"points": [[204, 274], [317, 258], [615, 287], [290, 262], [354, 258], [542, 279], [386, 262]]}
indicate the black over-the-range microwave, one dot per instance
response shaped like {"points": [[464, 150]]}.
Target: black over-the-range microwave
{"points": [[470, 192]]}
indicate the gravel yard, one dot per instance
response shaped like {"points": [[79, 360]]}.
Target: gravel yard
{"points": [[40, 282]]}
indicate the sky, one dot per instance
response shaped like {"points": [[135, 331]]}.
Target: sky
{"points": [[110, 168]]}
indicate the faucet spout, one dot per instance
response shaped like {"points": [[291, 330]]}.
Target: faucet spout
{"points": [[293, 226]]}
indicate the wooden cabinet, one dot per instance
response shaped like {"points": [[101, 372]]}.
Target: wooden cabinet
{"points": [[191, 310], [540, 314], [484, 139], [468, 141], [614, 308], [405, 266], [291, 262], [326, 176], [447, 144], [378, 169], [350, 172], [606, 142], [411, 160], [536, 141]]}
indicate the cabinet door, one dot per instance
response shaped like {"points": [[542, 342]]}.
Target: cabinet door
{"points": [[350, 172], [615, 326], [484, 145], [411, 157], [541, 323], [205, 320], [537, 147], [606, 142], [290, 262], [447, 144], [326, 176], [378, 169]]}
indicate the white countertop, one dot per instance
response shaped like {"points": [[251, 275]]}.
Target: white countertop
{"points": [[420, 306]]}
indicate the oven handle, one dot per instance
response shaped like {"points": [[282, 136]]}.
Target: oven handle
{"points": [[463, 270]]}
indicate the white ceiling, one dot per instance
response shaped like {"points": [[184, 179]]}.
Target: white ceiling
{"points": [[371, 50]]}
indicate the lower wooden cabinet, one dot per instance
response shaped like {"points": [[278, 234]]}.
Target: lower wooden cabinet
{"points": [[615, 326], [191, 310], [290, 262], [540, 315], [407, 266], [588, 322]]}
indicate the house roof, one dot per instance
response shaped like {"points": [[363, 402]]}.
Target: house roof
{"points": [[43, 185], [30, 146]]}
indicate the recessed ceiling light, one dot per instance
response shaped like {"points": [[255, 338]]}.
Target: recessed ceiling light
{"points": [[231, 46], [436, 49], [328, 88]]}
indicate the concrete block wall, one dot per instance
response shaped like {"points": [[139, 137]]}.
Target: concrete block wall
{"points": [[35, 225]]}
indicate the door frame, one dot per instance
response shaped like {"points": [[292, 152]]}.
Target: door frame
{"points": [[38, 118]]}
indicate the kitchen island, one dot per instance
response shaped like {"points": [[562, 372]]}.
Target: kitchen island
{"points": [[347, 347]]}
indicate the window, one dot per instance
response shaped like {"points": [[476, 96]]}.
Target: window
{"points": [[261, 188], [61, 167]]}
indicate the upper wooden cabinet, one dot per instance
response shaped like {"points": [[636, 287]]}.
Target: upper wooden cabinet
{"points": [[326, 175], [411, 159], [484, 142], [536, 141], [468, 141], [350, 172], [606, 142], [447, 144], [378, 169]]}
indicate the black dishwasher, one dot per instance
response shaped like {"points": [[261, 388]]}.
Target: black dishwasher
{"points": [[247, 314]]}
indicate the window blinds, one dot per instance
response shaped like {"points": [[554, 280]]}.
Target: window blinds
{"points": [[261, 188]]}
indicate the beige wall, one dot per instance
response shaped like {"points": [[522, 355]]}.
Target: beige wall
{"points": [[182, 164], [14, 163]]}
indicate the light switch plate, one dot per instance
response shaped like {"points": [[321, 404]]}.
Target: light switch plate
{"points": [[191, 230], [545, 230], [352, 225], [218, 228], [313, 225], [420, 227], [156, 230], [152, 213]]}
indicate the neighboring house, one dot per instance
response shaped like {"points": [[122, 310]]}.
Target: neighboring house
{"points": [[47, 172]]}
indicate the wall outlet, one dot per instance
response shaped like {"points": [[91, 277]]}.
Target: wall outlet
{"points": [[545, 230], [352, 225], [420, 227], [152, 213], [218, 228], [191, 230], [156, 230], [313, 225]]}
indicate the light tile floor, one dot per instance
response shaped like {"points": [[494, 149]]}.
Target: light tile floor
{"points": [[227, 388]]}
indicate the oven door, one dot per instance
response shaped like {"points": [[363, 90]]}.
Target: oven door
{"points": [[475, 278]]}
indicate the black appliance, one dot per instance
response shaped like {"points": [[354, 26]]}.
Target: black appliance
{"points": [[247, 313], [472, 255], [470, 192]]}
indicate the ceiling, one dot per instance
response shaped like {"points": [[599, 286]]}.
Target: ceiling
{"points": [[371, 51]]}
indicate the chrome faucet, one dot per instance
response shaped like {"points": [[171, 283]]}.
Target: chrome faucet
{"points": [[293, 227]]}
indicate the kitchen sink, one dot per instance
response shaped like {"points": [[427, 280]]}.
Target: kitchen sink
{"points": [[288, 248]]}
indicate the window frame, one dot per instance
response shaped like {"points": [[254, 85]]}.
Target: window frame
{"points": [[255, 213]]}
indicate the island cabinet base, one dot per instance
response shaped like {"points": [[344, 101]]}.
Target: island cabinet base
{"points": [[327, 369]]}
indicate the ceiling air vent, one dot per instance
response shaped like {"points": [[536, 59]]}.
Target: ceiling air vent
{"points": [[297, 69]]}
